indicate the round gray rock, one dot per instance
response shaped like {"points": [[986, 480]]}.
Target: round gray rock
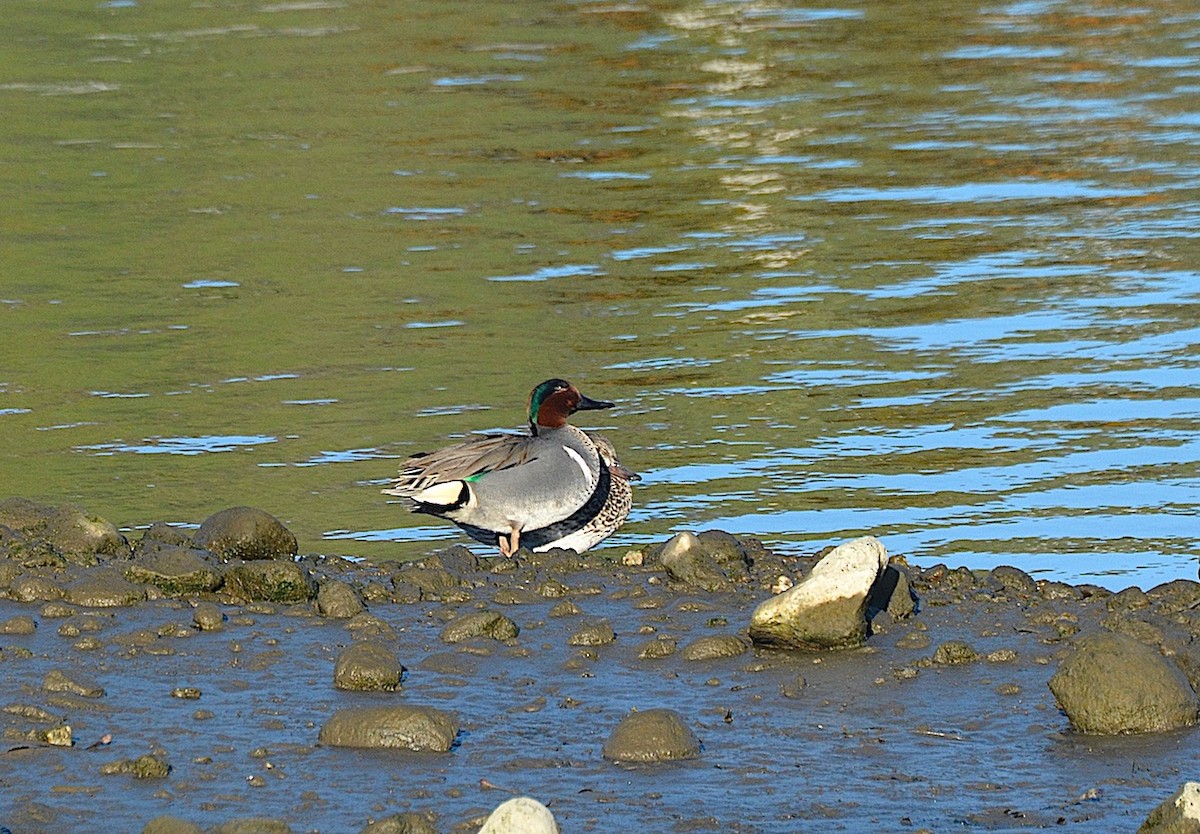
{"points": [[1114, 684], [246, 533], [337, 600], [395, 727], [1179, 814], [273, 581], [714, 647], [366, 666], [479, 624], [655, 735]]}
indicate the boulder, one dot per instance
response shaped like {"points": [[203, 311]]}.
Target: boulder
{"points": [[171, 825], [1180, 814], [1113, 684], [246, 533], [103, 588], [407, 822], [174, 570], [270, 581], [393, 727], [654, 735], [520, 815], [688, 562], [713, 647], [338, 600], [479, 624], [827, 609], [367, 665]]}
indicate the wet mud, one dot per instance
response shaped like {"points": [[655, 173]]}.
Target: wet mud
{"points": [[210, 707]]}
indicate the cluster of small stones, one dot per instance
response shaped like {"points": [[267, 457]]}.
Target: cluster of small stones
{"points": [[1138, 673]]}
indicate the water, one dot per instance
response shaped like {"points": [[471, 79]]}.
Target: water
{"points": [[845, 268]]}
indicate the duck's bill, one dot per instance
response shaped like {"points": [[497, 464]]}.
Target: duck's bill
{"points": [[623, 473], [588, 404]]}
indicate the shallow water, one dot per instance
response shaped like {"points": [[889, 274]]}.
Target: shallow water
{"points": [[844, 268]]}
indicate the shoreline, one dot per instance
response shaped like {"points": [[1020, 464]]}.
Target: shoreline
{"points": [[219, 674]]}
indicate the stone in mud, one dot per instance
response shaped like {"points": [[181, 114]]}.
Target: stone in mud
{"points": [[149, 766], [713, 647], [338, 600], [253, 825], [75, 533], [686, 562], [171, 825], [270, 581], [1013, 580], [208, 616], [408, 822], [434, 583], [394, 727], [72, 682], [176, 571], [954, 653], [20, 624], [892, 593], [246, 533], [593, 634], [160, 533], [1179, 814], [1113, 684], [36, 589], [367, 665], [479, 624], [657, 649], [520, 815], [827, 609], [655, 735], [104, 588]]}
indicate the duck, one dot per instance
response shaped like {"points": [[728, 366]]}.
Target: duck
{"points": [[555, 487]]}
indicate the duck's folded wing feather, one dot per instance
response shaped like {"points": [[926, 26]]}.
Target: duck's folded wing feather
{"points": [[489, 453]]}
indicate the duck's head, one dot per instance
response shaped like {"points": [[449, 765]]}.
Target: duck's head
{"points": [[552, 402]]}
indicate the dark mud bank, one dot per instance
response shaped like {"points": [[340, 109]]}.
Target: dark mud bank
{"points": [[148, 676]]}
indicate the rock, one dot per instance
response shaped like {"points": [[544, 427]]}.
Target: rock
{"points": [[20, 624], [1180, 814], [396, 727], [520, 815], [75, 683], [161, 533], [479, 624], [892, 593], [367, 665], [408, 822], [171, 825], [270, 581], [75, 533], [1114, 684], [1013, 580], [253, 825], [176, 571], [337, 600], [655, 735], [143, 767], [954, 653], [208, 616], [36, 589], [686, 562], [713, 647], [593, 634], [103, 588], [827, 609], [435, 583], [658, 648], [245, 533]]}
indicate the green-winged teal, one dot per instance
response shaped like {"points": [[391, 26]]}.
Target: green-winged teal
{"points": [[557, 486]]}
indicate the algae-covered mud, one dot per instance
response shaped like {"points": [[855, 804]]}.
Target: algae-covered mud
{"points": [[329, 694]]}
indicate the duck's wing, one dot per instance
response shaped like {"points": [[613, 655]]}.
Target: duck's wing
{"points": [[471, 458]]}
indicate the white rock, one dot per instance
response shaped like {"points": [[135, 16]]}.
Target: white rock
{"points": [[1178, 814], [522, 815], [826, 609]]}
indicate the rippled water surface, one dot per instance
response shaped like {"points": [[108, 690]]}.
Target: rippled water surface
{"points": [[927, 273]]}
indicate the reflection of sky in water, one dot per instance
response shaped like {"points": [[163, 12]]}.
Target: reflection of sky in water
{"points": [[182, 445]]}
